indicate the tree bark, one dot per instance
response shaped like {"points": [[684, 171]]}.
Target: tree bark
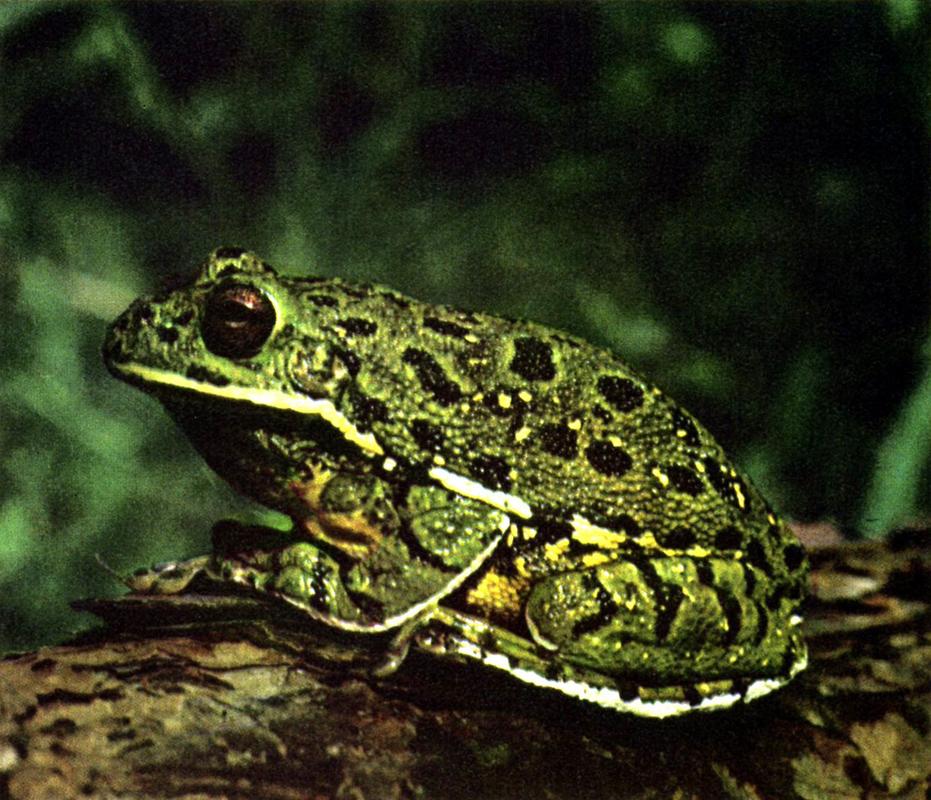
{"points": [[166, 702]]}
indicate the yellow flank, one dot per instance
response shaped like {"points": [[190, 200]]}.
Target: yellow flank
{"points": [[350, 531], [588, 534], [595, 559], [513, 530], [555, 551], [648, 540], [497, 595]]}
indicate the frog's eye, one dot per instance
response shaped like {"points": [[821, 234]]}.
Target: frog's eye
{"points": [[238, 320]]}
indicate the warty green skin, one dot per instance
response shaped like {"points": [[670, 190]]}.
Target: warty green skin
{"points": [[490, 489]]}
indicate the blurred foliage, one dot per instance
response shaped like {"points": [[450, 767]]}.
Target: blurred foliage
{"points": [[734, 197]]}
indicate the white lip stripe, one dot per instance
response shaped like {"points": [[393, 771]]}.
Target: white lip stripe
{"points": [[268, 398], [469, 488]]}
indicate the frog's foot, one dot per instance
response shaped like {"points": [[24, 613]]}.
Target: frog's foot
{"points": [[400, 645], [170, 577]]}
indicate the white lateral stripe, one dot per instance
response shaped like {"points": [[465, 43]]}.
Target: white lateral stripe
{"points": [[611, 698], [269, 398], [469, 488]]}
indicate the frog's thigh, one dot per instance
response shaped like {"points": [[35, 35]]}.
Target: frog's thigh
{"points": [[442, 538], [301, 573], [403, 551], [673, 617]]}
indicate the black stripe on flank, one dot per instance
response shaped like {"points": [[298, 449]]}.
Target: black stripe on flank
{"points": [[733, 613], [691, 695], [762, 626], [627, 689], [749, 580], [704, 572], [607, 610], [668, 598]]}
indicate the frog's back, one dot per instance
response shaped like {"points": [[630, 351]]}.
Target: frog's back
{"points": [[562, 426]]}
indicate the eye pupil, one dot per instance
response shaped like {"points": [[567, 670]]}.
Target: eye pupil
{"points": [[238, 320]]}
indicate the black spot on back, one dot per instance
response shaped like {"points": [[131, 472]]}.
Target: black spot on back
{"points": [[428, 436], [550, 531], [622, 393], [622, 523], [431, 376], [533, 359], [756, 556], [322, 300], [683, 479], [726, 484], [601, 413], [684, 428], [491, 472], [445, 327], [350, 359], [356, 326], [368, 410], [729, 538], [680, 538], [558, 440], [794, 556], [608, 459]]}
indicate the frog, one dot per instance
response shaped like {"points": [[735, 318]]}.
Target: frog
{"points": [[485, 490]]}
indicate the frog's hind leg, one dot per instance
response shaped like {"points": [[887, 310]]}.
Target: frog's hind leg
{"points": [[676, 633], [372, 562]]}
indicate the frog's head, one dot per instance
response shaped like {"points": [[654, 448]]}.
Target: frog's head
{"points": [[239, 339]]}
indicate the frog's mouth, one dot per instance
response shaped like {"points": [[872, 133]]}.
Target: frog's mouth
{"points": [[172, 387]]}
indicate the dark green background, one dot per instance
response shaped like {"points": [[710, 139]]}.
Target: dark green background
{"points": [[734, 197]]}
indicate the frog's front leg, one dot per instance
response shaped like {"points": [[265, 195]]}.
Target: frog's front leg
{"points": [[377, 559], [700, 627]]}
